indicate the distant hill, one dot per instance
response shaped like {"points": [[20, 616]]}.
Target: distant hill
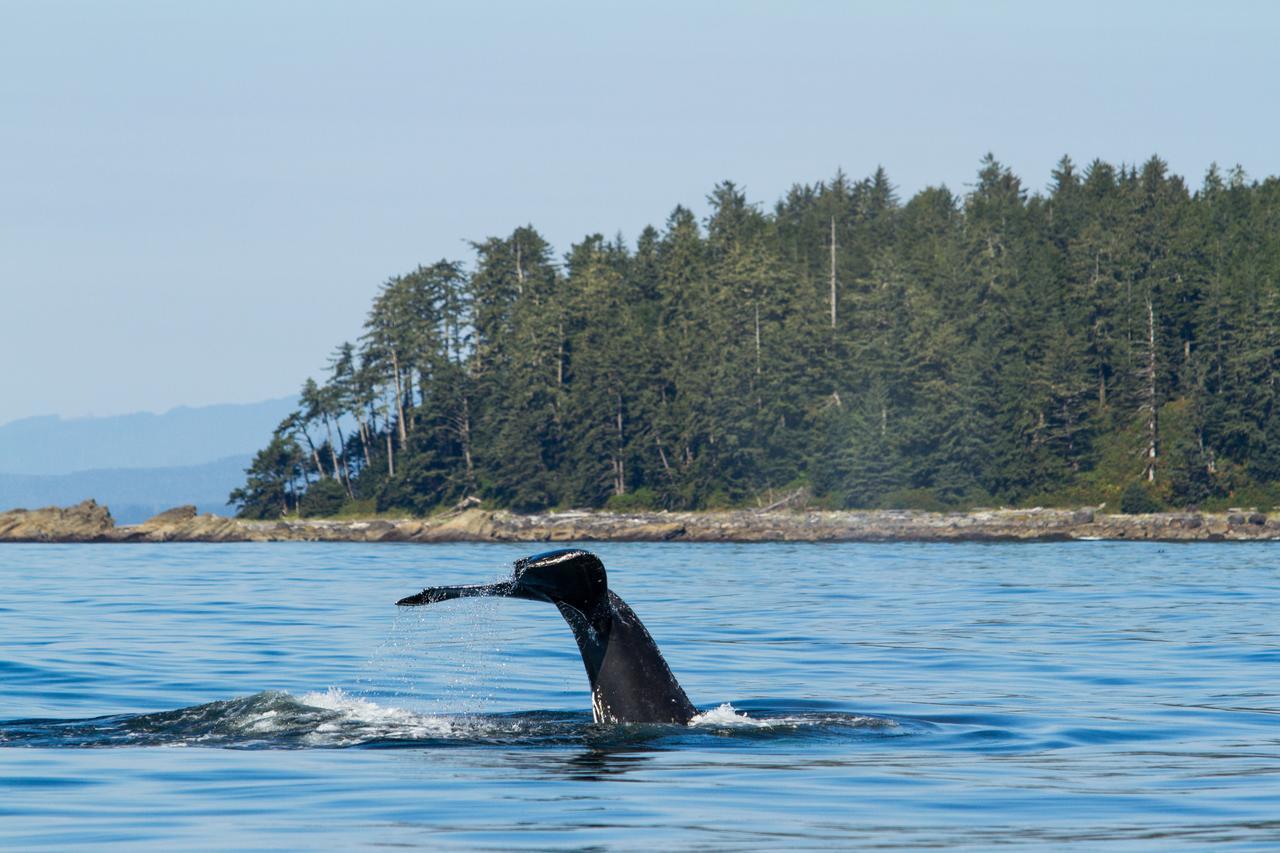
{"points": [[133, 494], [181, 437]]}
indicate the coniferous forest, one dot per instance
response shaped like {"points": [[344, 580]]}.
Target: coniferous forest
{"points": [[1114, 337]]}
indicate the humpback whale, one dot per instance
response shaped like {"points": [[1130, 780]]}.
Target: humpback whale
{"points": [[630, 681]]}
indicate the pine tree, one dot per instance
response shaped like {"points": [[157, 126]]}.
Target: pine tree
{"points": [[1003, 345]]}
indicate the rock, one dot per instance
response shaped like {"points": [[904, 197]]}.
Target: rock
{"points": [[467, 526], [379, 531], [84, 522], [89, 522], [181, 524], [171, 516]]}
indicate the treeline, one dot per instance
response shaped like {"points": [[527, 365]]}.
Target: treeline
{"points": [[1116, 334]]}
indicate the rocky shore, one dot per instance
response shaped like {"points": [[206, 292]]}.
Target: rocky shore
{"points": [[91, 522]]}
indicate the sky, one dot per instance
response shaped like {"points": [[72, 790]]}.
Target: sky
{"points": [[199, 200]]}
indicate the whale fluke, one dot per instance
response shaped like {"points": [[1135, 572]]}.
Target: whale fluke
{"points": [[630, 681]]}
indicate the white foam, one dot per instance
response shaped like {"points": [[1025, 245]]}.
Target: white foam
{"points": [[727, 715], [356, 707], [262, 723], [360, 719]]}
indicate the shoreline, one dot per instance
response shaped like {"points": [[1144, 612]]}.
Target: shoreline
{"points": [[89, 522]]}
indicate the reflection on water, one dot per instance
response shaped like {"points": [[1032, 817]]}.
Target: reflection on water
{"points": [[594, 765], [1061, 695]]}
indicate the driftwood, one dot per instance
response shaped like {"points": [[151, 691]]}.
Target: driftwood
{"points": [[778, 504]]}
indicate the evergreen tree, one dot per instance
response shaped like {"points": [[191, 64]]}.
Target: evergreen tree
{"points": [[1000, 346]]}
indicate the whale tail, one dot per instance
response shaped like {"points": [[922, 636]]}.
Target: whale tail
{"points": [[569, 576], [630, 680]]}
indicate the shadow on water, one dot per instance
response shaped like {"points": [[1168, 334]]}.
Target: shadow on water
{"points": [[597, 764]]}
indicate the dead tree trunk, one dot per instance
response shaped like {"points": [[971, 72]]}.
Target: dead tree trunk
{"points": [[395, 369], [391, 465], [346, 469], [833, 272], [465, 435], [364, 434], [619, 467], [757, 306], [315, 456], [1150, 375]]}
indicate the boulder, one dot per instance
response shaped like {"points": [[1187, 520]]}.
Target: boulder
{"points": [[85, 522], [181, 524], [89, 522], [467, 526], [211, 528], [171, 516]]}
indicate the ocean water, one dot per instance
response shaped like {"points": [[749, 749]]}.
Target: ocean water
{"points": [[1070, 695]]}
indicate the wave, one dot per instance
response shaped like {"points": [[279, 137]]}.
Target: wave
{"points": [[727, 717], [336, 719]]}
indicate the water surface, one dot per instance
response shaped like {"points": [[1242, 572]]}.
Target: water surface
{"points": [[263, 696]]}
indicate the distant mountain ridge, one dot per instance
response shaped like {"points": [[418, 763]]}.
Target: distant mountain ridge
{"points": [[184, 437], [132, 494]]}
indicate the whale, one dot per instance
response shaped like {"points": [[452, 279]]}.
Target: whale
{"points": [[630, 681]]}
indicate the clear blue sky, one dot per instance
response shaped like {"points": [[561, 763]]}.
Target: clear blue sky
{"points": [[198, 200]]}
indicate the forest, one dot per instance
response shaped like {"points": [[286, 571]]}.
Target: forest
{"points": [[1113, 338]]}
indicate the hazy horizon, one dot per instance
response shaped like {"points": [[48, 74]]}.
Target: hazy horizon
{"points": [[183, 436], [155, 411], [201, 201]]}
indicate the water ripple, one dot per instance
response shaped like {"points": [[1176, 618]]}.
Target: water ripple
{"points": [[1058, 695]]}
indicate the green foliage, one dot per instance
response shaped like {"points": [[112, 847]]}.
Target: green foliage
{"points": [[640, 499], [323, 498], [1263, 496], [1001, 347], [359, 508], [270, 489], [922, 499], [422, 483], [1136, 499]]}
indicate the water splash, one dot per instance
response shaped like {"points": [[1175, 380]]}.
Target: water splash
{"points": [[465, 642], [335, 719], [726, 716], [359, 720]]}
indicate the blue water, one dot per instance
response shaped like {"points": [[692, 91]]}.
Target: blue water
{"points": [[270, 696]]}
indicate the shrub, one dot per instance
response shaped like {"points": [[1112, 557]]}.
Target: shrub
{"points": [[1136, 500], [922, 499], [641, 499], [323, 497]]}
